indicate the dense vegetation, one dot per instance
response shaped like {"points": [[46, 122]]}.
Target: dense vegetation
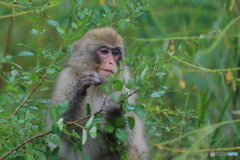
{"points": [[184, 57]]}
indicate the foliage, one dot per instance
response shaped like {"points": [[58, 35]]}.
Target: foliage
{"points": [[185, 64]]}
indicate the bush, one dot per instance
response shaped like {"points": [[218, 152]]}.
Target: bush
{"points": [[183, 56]]}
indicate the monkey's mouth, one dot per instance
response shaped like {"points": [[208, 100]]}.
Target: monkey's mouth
{"points": [[106, 72], [109, 71]]}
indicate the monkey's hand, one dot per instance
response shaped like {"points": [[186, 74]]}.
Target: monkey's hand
{"points": [[79, 91], [89, 78], [111, 110], [84, 82]]}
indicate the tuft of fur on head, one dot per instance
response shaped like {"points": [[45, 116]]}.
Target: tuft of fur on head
{"points": [[85, 48]]}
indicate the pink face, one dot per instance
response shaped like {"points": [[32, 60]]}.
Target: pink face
{"points": [[109, 58]]}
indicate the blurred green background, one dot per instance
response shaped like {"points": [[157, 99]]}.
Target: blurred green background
{"points": [[187, 51]]}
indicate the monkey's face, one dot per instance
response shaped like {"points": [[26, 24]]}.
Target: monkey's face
{"points": [[108, 59]]}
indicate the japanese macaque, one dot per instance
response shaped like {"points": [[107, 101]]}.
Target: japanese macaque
{"points": [[96, 56]]}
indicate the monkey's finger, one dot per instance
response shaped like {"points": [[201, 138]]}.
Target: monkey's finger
{"points": [[91, 81], [91, 73]]}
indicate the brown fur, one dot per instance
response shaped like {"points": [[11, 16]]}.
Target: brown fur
{"points": [[80, 62]]}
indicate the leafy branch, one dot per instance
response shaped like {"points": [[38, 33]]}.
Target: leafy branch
{"points": [[202, 68], [24, 12], [49, 132], [44, 134]]}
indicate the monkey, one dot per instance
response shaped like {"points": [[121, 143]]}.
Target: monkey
{"points": [[95, 56]]}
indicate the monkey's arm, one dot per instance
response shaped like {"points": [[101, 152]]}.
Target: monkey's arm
{"points": [[77, 96], [136, 143], [111, 110]]}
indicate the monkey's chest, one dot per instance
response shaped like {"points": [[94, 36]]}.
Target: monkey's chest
{"points": [[95, 98], [97, 147]]}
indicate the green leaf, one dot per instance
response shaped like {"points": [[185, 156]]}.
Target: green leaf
{"points": [[139, 110], [93, 132], [157, 94], [81, 15], [237, 112], [96, 15], [131, 122], [123, 96], [86, 11], [16, 65], [29, 157], [44, 88], [164, 87], [171, 120], [2, 97], [60, 30], [62, 106], [109, 128], [56, 130], [7, 145], [25, 53], [88, 109], [130, 5], [75, 134], [105, 89], [60, 124], [53, 23], [84, 156], [113, 96], [23, 88], [14, 73], [144, 71], [118, 122], [106, 8], [84, 136], [122, 24], [65, 23], [55, 151], [34, 31], [33, 76], [77, 146], [53, 113], [37, 153], [78, 1], [89, 123], [55, 139], [51, 70], [6, 59], [40, 50], [118, 85], [130, 84], [74, 25], [161, 74], [121, 134]]}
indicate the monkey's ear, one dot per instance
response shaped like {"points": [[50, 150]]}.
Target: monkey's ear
{"points": [[76, 46]]}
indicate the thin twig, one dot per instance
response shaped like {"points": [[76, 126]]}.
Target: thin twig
{"points": [[29, 95], [44, 134], [71, 123], [129, 95], [8, 45], [25, 142], [181, 130]]}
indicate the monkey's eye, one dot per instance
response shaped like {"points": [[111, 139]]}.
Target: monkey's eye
{"points": [[104, 50], [115, 52]]}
